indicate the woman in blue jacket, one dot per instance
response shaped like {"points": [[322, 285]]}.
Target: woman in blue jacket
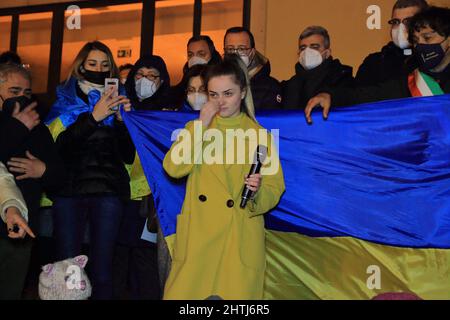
{"points": [[95, 145]]}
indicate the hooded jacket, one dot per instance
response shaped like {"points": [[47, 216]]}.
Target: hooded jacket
{"points": [[307, 83], [162, 97]]}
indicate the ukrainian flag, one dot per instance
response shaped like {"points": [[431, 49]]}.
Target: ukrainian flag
{"points": [[367, 202], [65, 112]]}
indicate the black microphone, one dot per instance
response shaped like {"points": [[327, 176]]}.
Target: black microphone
{"points": [[260, 157]]}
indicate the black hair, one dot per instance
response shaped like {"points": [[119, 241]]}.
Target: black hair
{"points": [[215, 55], [196, 71], [228, 67], [209, 42], [125, 67], [401, 4], [239, 30], [10, 57], [436, 18]]}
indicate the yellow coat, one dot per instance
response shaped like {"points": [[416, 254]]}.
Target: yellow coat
{"points": [[219, 248]]}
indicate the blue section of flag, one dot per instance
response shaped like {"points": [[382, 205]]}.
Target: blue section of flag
{"points": [[378, 172]]}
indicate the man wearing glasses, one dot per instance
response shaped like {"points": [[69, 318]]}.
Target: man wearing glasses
{"points": [[396, 57], [266, 91], [429, 33]]}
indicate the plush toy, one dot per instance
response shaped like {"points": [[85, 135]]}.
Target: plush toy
{"points": [[65, 280]]}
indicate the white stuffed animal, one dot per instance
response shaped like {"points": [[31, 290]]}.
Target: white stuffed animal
{"points": [[65, 280]]}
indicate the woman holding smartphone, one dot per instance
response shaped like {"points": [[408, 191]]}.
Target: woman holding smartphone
{"points": [[95, 145], [219, 247]]}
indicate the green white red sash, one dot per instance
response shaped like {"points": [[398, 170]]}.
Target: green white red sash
{"points": [[422, 85]]}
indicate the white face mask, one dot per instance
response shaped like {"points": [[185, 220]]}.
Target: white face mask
{"points": [[195, 61], [197, 100], [310, 58], [400, 36], [245, 59], [145, 88]]}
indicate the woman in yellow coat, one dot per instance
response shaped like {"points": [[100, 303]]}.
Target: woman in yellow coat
{"points": [[219, 247]]}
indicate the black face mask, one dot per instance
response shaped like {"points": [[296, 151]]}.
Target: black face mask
{"points": [[95, 76], [10, 104], [429, 55]]}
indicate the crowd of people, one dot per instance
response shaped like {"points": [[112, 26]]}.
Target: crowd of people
{"points": [[80, 155]]}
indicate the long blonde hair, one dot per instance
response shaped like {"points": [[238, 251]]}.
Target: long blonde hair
{"points": [[83, 54]]}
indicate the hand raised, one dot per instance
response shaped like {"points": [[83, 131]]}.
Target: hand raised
{"points": [[28, 116]]}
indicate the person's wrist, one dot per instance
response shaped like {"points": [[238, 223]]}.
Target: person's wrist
{"points": [[43, 169], [23, 122], [205, 121], [11, 212], [96, 116]]}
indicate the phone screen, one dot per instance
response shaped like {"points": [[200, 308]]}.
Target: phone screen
{"points": [[114, 83]]}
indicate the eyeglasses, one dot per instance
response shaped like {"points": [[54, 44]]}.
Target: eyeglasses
{"points": [[396, 22], [151, 77], [240, 50]]}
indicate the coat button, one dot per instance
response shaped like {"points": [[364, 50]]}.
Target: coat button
{"points": [[202, 198], [230, 203]]}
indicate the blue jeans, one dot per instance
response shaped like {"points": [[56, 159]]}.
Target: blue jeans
{"points": [[104, 214]]}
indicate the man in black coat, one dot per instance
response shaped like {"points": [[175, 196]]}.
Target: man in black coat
{"points": [[429, 32], [315, 70], [396, 57], [200, 51], [266, 91], [28, 150]]}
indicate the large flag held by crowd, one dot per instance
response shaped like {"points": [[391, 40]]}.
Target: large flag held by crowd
{"points": [[367, 202]]}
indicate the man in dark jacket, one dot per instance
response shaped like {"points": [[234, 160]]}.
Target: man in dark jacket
{"points": [[28, 150], [429, 32], [315, 70], [396, 57], [200, 51], [266, 91]]}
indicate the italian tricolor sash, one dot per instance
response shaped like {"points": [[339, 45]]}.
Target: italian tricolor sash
{"points": [[422, 85]]}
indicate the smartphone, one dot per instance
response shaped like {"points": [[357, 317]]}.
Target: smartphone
{"points": [[114, 83]]}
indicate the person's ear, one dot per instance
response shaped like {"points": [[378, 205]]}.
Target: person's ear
{"points": [[243, 94], [448, 44], [327, 53]]}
